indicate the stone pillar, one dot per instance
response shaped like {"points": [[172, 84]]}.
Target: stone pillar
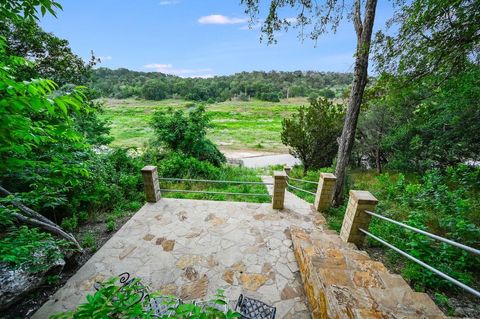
{"points": [[152, 187], [287, 169], [279, 185], [355, 216], [325, 190]]}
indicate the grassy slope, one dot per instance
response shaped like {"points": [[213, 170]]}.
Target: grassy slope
{"points": [[236, 125]]}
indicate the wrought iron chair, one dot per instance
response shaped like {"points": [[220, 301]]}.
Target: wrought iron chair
{"points": [[250, 308]]}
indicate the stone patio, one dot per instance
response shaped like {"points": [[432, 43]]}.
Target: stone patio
{"points": [[191, 248]]}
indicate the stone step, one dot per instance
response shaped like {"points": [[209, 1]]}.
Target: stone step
{"points": [[341, 281]]}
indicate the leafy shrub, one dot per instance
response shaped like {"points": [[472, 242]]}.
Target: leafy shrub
{"points": [[181, 166], [30, 248], [89, 241], [114, 301], [327, 93], [438, 203], [270, 97], [111, 225], [70, 223], [312, 132], [114, 181], [243, 97], [53, 279], [186, 133]]}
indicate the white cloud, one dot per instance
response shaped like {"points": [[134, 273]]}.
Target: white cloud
{"points": [[105, 58], [183, 72], [168, 2], [220, 19]]}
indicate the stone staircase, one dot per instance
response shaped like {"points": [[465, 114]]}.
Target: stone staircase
{"points": [[341, 281]]}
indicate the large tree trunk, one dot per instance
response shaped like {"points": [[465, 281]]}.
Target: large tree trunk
{"points": [[364, 35]]}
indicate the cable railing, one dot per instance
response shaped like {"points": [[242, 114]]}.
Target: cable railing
{"points": [[211, 181], [172, 190], [298, 188], [302, 180], [421, 263]]}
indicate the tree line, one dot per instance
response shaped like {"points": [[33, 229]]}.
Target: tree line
{"points": [[267, 86]]}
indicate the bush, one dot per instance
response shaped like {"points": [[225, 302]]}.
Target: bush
{"points": [[186, 133], [441, 204], [181, 166], [30, 249], [131, 300], [312, 132], [111, 225], [327, 93], [89, 241], [114, 181], [270, 97]]}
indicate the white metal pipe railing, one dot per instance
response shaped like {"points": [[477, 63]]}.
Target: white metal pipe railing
{"points": [[421, 263], [301, 180], [445, 240], [299, 189], [211, 181], [209, 192]]}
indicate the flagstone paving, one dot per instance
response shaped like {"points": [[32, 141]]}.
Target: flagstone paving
{"points": [[191, 248]]}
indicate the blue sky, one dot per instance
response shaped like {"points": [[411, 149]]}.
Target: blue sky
{"points": [[195, 37]]}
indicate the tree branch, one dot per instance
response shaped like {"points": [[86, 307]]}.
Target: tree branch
{"points": [[26, 210], [31, 217], [357, 19], [52, 229]]}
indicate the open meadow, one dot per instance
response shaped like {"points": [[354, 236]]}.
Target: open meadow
{"points": [[236, 125]]}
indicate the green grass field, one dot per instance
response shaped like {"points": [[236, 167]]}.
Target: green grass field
{"points": [[236, 125]]}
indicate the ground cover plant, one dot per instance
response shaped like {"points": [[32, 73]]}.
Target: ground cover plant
{"points": [[132, 300]]}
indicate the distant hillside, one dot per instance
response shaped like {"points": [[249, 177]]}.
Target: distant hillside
{"points": [[267, 86]]}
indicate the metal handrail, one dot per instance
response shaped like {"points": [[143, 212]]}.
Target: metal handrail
{"points": [[209, 192], [421, 263], [301, 180], [299, 189], [211, 181], [445, 240]]}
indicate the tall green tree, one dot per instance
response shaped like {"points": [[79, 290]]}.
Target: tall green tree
{"points": [[314, 19], [186, 134], [52, 56], [38, 145], [312, 133], [430, 37], [429, 66]]}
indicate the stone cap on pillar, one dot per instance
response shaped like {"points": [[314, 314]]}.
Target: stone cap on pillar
{"points": [[327, 176], [279, 174], [149, 168], [363, 196]]}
